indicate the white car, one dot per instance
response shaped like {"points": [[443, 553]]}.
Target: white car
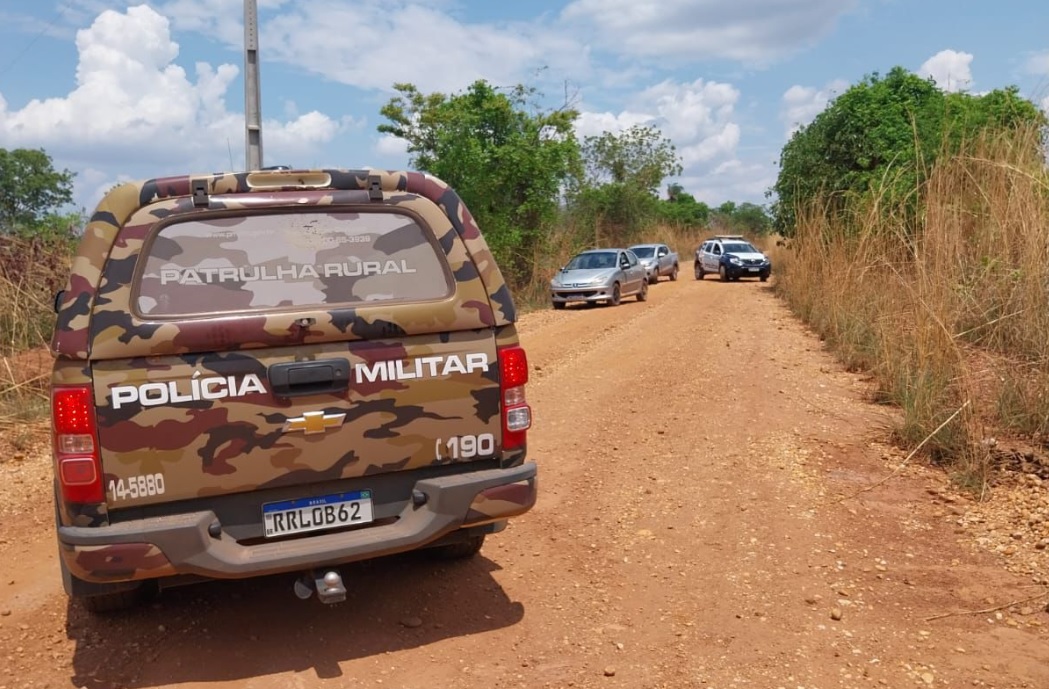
{"points": [[731, 257]]}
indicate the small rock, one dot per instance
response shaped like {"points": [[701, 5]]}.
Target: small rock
{"points": [[835, 614], [412, 622], [928, 678], [161, 628], [5, 613], [610, 671]]}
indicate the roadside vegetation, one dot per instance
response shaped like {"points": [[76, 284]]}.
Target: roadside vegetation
{"points": [[916, 225], [919, 250]]}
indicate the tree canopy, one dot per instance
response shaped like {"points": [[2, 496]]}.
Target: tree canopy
{"points": [[623, 173], [509, 164], [885, 132], [33, 191]]}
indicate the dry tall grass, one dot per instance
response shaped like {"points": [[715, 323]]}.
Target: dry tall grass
{"points": [[30, 273], [954, 313]]}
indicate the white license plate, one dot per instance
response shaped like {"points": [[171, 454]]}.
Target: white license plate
{"points": [[753, 270], [314, 514]]}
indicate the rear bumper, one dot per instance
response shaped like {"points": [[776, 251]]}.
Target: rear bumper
{"points": [[182, 544]]}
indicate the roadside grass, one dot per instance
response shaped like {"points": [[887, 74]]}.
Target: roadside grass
{"points": [[30, 274], [951, 316]]}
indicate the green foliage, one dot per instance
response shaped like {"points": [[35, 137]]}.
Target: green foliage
{"points": [[33, 191], [508, 164], [885, 133], [622, 174], [746, 218], [681, 208]]}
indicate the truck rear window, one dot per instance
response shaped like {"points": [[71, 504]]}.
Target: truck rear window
{"points": [[288, 260]]}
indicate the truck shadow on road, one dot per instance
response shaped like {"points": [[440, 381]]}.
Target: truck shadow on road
{"points": [[224, 631]]}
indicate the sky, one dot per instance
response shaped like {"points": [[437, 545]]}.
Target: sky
{"points": [[115, 91]]}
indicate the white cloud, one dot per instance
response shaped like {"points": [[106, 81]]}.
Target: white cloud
{"points": [[732, 180], [950, 69], [389, 145], [132, 106], [697, 117], [597, 123], [374, 45], [1038, 64], [801, 104], [754, 31]]}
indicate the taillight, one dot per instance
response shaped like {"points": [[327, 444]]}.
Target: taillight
{"points": [[517, 415], [75, 444]]}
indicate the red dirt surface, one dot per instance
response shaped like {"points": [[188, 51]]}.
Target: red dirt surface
{"points": [[707, 518]]}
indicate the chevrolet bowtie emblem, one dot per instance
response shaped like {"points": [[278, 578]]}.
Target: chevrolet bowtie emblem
{"points": [[313, 422]]}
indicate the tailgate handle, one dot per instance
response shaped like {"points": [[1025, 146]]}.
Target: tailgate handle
{"points": [[301, 378]]}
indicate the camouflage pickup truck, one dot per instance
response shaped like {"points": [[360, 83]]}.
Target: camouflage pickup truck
{"points": [[281, 372]]}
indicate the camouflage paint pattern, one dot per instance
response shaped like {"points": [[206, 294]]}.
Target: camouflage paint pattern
{"points": [[117, 562], [502, 502], [237, 444], [89, 314]]}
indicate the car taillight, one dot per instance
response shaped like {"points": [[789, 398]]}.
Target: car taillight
{"points": [[75, 444], [517, 415]]}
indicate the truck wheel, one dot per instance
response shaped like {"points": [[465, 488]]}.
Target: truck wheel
{"points": [[459, 551], [673, 273], [96, 599]]}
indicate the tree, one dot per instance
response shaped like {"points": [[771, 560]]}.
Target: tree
{"points": [[508, 164], [33, 191], [885, 133], [622, 173], [682, 208]]}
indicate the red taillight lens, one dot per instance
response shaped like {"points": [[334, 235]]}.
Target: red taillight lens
{"points": [[72, 410], [76, 451], [517, 415], [513, 363]]}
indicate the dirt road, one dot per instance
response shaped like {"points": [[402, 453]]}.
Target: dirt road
{"points": [[695, 451]]}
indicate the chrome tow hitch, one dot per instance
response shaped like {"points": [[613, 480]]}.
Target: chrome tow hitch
{"points": [[329, 586]]}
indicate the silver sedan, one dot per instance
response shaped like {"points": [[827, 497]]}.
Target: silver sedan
{"points": [[599, 275]]}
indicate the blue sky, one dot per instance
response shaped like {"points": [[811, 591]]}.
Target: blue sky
{"points": [[123, 90]]}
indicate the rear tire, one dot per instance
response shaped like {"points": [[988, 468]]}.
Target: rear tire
{"points": [[699, 271], [458, 551], [673, 273], [643, 294], [95, 599], [617, 295]]}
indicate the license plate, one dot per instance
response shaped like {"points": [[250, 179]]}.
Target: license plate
{"points": [[313, 514], [753, 270]]}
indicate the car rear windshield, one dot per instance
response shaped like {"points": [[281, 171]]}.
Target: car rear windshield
{"points": [[594, 261], [740, 248], [288, 260], [644, 251]]}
